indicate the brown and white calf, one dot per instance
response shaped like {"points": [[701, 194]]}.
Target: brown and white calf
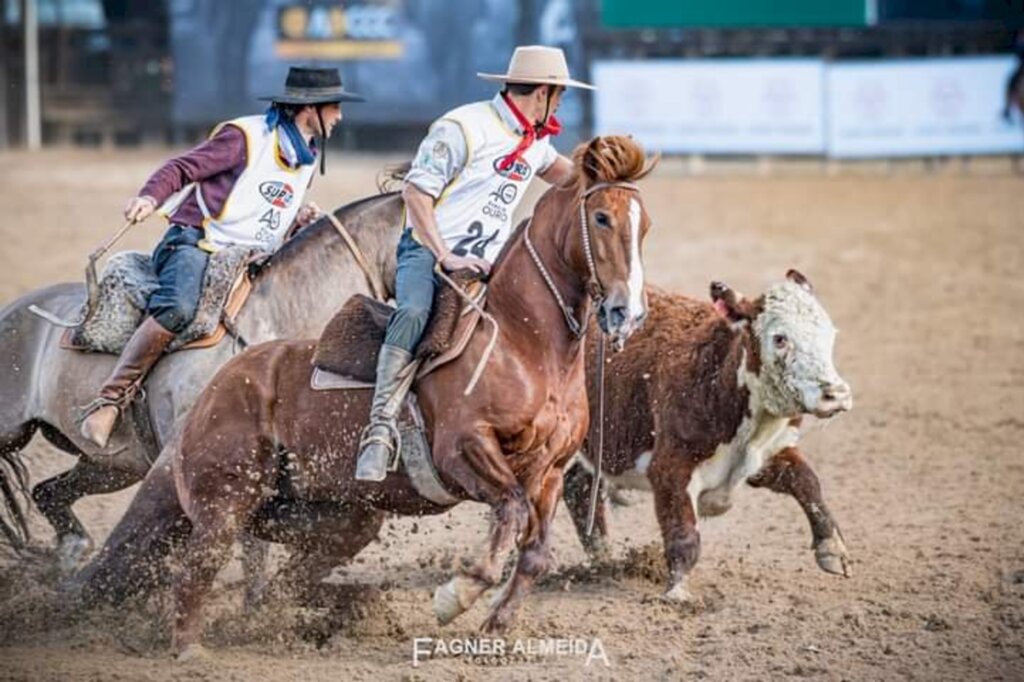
{"points": [[709, 396]]}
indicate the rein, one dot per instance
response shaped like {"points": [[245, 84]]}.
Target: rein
{"points": [[578, 329], [487, 317], [376, 286], [592, 513]]}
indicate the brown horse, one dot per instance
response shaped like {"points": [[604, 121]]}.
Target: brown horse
{"points": [[506, 445]]}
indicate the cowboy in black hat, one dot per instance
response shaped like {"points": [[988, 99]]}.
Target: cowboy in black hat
{"points": [[243, 186]]}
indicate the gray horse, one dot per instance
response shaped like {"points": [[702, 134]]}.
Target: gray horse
{"points": [[43, 385]]}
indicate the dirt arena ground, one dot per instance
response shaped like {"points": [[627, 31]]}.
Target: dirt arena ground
{"points": [[924, 275]]}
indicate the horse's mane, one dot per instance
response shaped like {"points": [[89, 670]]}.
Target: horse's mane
{"points": [[610, 158], [294, 245]]}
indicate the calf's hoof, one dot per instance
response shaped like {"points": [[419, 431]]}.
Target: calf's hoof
{"points": [[831, 555], [193, 652], [678, 594]]}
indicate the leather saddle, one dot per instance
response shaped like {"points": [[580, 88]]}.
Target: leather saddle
{"points": [[351, 341], [346, 358]]}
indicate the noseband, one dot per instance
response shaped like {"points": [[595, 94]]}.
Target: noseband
{"points": [[594, 286]]}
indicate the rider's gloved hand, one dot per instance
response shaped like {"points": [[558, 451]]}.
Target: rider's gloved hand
{"points": [[139, 208], [452, 262], [307, 214]]}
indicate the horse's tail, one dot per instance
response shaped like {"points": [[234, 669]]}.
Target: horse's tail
{"points": [[13, 485], [130, 562]]}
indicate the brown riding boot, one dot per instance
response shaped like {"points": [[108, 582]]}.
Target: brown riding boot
{"points": [[379, 443], [141, 352]]}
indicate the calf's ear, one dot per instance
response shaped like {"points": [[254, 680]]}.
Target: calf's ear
{"points": [[732, 305], [797, 277]]}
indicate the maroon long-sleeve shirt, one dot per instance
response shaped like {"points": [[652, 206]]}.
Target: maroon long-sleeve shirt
{"points": [[216, 165]]}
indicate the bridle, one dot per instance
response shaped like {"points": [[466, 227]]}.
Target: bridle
{"points": [[594, 287], [597, 294]]}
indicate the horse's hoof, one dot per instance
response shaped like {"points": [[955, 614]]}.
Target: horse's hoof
{"points": [[455, 597], [71, 552], [446, 603], [257, 595], [193, 652], [831, 556], [599, 552], [678, 594]]}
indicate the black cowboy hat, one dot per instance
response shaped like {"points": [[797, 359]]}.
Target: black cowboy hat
{"points": [[306, 85]]}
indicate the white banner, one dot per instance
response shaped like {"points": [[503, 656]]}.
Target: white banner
{"points": [[737, 106], [920, 107]]}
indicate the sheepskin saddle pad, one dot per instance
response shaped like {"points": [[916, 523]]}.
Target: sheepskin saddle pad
{"points": [[129, 280]]}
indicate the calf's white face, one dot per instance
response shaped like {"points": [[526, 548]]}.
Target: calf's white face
{"points": [[796, 338]]}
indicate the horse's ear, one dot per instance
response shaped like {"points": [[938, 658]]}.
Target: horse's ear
{"points": [[732, 305], [649, 166], [797, 277], [590, 160]]}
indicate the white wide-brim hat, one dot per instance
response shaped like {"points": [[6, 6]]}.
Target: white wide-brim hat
{"points": [[538, 64]]}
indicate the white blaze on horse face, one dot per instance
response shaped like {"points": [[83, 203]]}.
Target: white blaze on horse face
{"points": [[636, 266], [797, 338]]}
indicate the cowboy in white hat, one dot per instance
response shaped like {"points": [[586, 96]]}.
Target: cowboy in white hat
{"points": [[214, 196], [469, 174]]}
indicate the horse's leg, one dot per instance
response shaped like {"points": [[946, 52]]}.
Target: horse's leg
{"points": [[534, 556], [578, 488], [54, 498], [328, 538], [207, 550], [221, 492], [677, 519], [129, 563], [490, 480], [789, 473], [255, 555]]}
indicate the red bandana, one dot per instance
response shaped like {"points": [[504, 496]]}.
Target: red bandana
{"points": [[550, 127]]}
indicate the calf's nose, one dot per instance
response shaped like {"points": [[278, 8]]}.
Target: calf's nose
{"points": [[838, 393]]}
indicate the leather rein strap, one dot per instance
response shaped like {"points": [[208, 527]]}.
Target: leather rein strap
{"points": [[595, 490], [376, 285]]}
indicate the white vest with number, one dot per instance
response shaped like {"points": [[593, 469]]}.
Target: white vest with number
{"points": [[474, 213], [265, 199]]}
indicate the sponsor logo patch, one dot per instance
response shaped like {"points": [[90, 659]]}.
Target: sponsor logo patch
{"points": [[506, 194], [518, 171], [277, 193]]}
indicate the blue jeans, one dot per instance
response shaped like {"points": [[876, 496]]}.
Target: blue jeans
{"points": [[414, 293], [180, 265]]}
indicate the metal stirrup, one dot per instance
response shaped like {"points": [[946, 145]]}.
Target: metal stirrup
{"points": [[393, 444]]}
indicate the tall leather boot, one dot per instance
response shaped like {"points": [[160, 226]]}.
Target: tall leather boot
{"points": [[141, 352], [395, 372]]}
